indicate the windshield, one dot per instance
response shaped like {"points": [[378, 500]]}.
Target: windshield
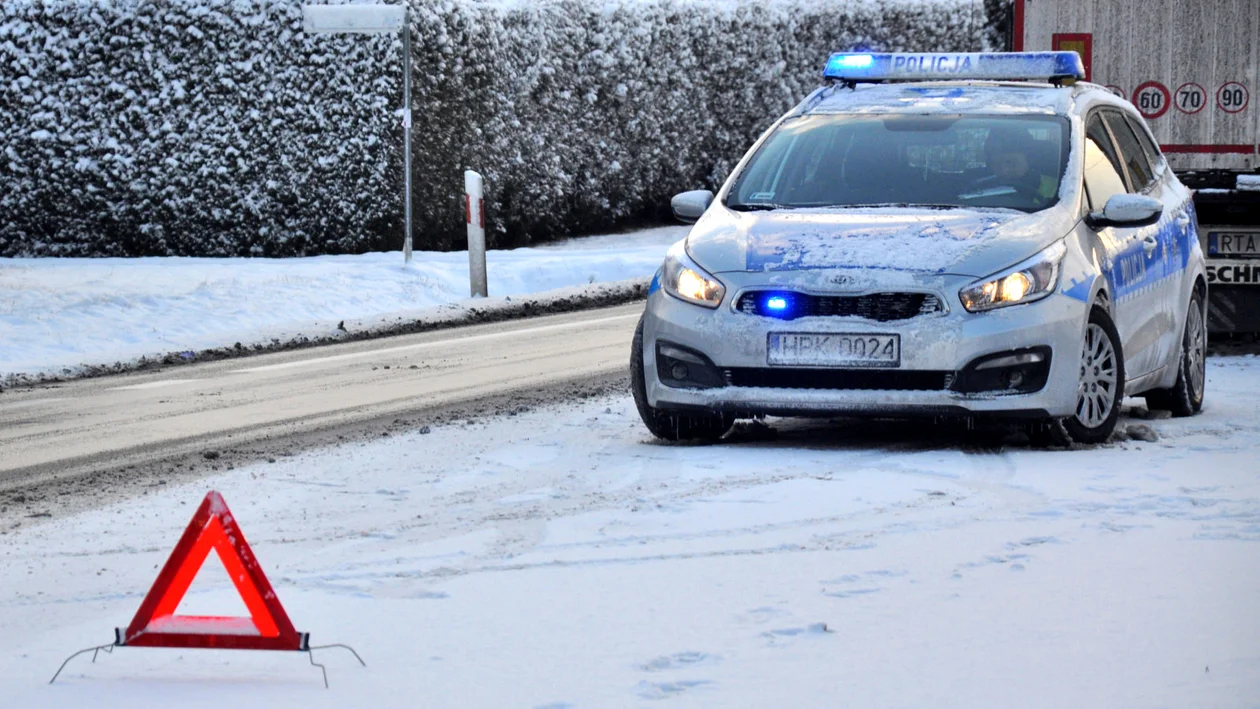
{"points": [[1014, 162]]}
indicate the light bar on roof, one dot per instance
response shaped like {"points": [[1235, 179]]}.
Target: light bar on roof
{"points": [[1026, 66]]}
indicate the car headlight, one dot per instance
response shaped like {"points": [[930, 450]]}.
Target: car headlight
{"points": [[682, 278], [1024, 282]]}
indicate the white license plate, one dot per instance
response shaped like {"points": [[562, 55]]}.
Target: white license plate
{"points": [[833, 349], [1240, 243]]}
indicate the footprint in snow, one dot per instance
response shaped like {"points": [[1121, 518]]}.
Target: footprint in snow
{"points": [[665, 690], [851, 592], [678, 660], [782, 635], [869, 577], [761, 615], [1032, 542]]}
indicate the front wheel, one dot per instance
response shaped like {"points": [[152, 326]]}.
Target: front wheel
{"points": [[670, 425], [1100, 387], [1185, 398]]}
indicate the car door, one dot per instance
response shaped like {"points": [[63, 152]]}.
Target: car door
{"points": [[1130, 255], [1180, 233], [1165, 258]]}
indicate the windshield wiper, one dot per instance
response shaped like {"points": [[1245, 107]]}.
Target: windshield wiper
{"points": [[756, 207], [922, 205]]}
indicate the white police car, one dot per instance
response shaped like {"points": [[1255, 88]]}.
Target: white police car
{"points": [[933, 234]]}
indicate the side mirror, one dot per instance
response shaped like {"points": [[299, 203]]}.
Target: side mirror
{"points": [[1127, 210], [689, 206]]}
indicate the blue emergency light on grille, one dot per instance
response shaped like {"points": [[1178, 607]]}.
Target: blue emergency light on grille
{"points": [[1025, 66]]}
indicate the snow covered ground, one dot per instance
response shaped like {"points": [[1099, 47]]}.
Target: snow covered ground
{"points": [[62, 313], [562, 558]]}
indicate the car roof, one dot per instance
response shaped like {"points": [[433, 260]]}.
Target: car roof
{"points": [[944, 97]]}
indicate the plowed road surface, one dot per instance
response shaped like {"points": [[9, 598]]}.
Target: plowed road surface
{"points": [[69, 429]]}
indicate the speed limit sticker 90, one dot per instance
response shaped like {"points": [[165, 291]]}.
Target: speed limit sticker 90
{"points": [[1190, 98], [1152, 99], [1232, 97]]}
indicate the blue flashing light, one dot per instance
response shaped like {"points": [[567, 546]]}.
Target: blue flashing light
{"points": [[776, 302], [855, 61], [996, 66]]}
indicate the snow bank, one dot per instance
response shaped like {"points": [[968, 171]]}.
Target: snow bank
{"points": [[219, 128], [65, 317]]}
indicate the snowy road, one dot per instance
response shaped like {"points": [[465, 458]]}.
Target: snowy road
{"points": [[86, 425], [562, 558]]}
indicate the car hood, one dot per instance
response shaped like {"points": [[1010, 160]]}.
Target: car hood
{"points": [[917, 240]]}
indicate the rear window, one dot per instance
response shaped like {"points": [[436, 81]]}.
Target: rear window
{"points": [[1131, 151], [1013, 162], [1144, 137]]}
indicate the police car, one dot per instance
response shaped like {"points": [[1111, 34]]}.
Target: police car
{"points": [[933, 234]]}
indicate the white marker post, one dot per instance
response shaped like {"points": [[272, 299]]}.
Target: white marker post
{"points": [[475, 214], [375, 19]]}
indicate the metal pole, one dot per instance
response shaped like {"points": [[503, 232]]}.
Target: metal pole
{"points": [[406, 50], [475, 213]]}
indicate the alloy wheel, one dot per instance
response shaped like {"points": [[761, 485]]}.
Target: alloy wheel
{"points": [[1096, 395], [1196, 350]]}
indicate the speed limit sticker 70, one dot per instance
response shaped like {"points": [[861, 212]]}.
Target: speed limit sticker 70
{"points": [[1152, 99], [1190, 98], [1232, 97]]}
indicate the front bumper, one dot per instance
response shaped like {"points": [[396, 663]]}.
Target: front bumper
{"points": [[933, 379]]}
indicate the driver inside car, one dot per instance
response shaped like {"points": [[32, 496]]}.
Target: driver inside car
{"points": [[1010, 158]]}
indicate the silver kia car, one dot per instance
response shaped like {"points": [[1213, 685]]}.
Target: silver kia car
{"points": [[933, 234]]}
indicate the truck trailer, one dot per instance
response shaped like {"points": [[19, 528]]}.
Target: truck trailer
{"points": [[1190, 68]]}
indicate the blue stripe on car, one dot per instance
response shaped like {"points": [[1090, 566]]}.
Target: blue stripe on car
{"points": [[1134, 271], [1080, 288]]}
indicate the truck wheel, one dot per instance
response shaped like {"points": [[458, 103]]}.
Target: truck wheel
{"points": [[1185, 398], [670, 425], [1100, 388]]}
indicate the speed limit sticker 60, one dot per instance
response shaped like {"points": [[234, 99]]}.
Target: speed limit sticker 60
{"points": [[1232, 97], [1152, 99]]}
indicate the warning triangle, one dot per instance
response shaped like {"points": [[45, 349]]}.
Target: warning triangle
{"points": [[267, 628]]}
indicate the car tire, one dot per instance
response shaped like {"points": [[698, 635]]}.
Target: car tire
{"points": [[1185, 398], [671, 425], [1100, 386]]}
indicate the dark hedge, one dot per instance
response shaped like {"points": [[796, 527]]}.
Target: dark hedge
{"points": [[217, 127]]}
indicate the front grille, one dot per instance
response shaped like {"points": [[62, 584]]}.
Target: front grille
{"points": [[787, 378], [880, 307]]}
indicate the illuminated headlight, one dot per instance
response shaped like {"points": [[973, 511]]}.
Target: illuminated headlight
{"points": [[1024, 282], [686, 280]]}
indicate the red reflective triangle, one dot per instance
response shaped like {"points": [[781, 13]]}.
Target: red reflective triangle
{"points": [[267, 627]]}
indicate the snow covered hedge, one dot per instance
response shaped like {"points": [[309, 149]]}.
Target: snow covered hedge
{"points": [[217, 127]]}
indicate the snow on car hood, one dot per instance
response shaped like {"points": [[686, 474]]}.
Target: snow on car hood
{"points": [[931, 241]]}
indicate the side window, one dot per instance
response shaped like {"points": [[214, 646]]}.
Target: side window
{"points": [[1148, 143], [1131, 152], [1103, 174]]}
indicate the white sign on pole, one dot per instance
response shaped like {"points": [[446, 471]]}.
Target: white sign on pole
{"points": [[362, 19], [375, 19]]}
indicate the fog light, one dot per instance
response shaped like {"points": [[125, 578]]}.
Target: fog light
{"points": [[1014, 378], [680, 367]]}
